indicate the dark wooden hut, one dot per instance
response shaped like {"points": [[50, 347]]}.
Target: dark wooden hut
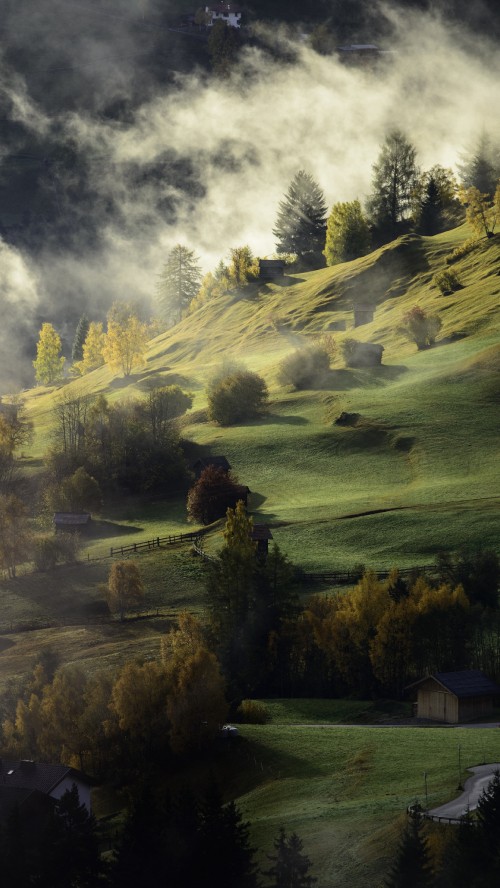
{"points": [[271, 269], [71, 522], [455, 697], [217, 462], [261, 535]]}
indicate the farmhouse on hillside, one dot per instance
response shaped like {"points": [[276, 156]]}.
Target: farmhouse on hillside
{"points": [[19, 779], [454, 697]]}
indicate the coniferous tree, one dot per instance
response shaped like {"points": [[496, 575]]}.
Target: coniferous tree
{"points": [[80, 337], [301, 221], [179, 283], [430, 210], [290, 866], [481, 167], [411, 868], [394, 177]]}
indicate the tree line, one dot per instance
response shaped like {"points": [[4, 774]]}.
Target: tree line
{"points": [[403, 198]]}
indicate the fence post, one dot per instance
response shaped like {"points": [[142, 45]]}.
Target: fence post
{"points": [[111, 551]]}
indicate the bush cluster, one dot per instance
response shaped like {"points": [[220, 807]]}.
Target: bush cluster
{"points": [[304, 367], [447, 281], [237, 397]]}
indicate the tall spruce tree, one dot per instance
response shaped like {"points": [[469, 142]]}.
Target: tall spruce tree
{"points": [[394, 177], [480, 168], [290, 866], [179, 283], [301, 221], [80, 337], [411, 867]]}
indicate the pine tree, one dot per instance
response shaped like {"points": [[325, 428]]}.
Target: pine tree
{"points": [[179, 282], [80, 337], [394, 178], [430, 210], [291, 866], [411, 868], [48, 363], [301, 221], [481, 167]]}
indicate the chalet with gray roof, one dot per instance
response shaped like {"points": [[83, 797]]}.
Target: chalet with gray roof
{"points": [[455, 697], [21, 778]]}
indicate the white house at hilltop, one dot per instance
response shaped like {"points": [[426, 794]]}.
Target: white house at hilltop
{"points": [[225, 12]]}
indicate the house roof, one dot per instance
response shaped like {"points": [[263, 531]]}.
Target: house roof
{"points": [[260, 532], [28, 775], [224, 8], [465, 683], [71, 519]]}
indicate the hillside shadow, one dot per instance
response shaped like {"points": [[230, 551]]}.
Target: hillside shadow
{"points": [[349, 378], [278, 419], [101, 529], [152, 379]]}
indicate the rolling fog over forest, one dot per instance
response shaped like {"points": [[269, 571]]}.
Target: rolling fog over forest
{"points": [[116, 146]]}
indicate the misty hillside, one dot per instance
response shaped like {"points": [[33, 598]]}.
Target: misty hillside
{"points": [[118, 140], [416, 471]]}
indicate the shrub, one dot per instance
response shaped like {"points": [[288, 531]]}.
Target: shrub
{"points": [[235, 398], [50, 550], [447, 281], [461, 251], [304, 367], [420, 327], [253, 712]]}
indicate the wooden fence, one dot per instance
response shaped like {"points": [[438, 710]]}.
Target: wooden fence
{"points": [[156, 543], [346, 577]]}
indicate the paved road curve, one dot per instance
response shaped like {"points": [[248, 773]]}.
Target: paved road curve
{"points": [[468, 800]]}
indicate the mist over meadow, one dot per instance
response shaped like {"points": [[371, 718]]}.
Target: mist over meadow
{"points": [[114, 149]]}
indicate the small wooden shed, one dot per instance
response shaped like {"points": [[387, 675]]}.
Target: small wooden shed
{"points": [[261, 535], [363, 313], [365, 354], [270, 269], [71, 522], [454, 697]]}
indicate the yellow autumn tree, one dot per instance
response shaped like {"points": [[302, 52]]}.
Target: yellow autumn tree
{"points": [[196, 704], [125, 341], [92, 349], [48, 363], [139, 703], [125, 587]]}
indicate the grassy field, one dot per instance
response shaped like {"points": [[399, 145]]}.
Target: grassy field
{"points": [[344, 790]]}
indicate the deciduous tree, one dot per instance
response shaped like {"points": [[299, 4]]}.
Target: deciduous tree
{"points": [[15, 534], [93, 348], [213, 493], [48, 363], [126, 340], [347, 233], [125, 588], [301, 221]]}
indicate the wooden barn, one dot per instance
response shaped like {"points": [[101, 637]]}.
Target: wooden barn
{"points": [[363, 313], [455, 697], [261, 535], [71, 522], [271, 269]]}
